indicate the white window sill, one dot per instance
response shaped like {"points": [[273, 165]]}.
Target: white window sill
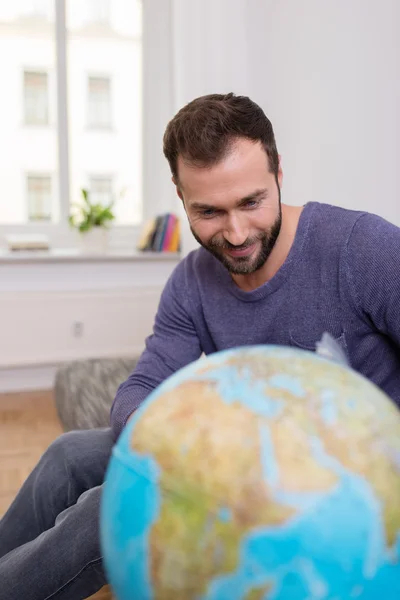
{"points": [[73, 255], [68, 270]]}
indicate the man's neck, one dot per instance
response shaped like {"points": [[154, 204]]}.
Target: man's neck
{"points": [[280, 252]]}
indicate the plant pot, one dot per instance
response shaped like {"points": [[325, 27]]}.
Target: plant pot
{"points": [[94, 241]]}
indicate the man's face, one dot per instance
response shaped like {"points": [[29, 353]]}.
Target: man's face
{"points": [[234, 207]]}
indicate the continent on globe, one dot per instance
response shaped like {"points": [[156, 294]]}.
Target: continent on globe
{"points": [[257, 473]]}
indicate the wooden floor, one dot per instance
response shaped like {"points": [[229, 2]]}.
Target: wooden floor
{"points": [[28, 424]]}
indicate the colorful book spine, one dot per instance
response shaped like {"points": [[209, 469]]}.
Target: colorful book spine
{"points": [[176, 238], [169, 230], [163, 230]]}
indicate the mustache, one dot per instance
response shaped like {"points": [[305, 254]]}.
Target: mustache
{"points": [[225, 245]]}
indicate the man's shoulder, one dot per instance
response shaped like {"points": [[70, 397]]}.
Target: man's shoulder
{"points": [[332, 216], [333, 226], [360, 236], [353, 223]]}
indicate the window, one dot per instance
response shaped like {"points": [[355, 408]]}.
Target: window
{"points": [[36, 103], [99, 102], [105, 104], [48, 52], [98, 12], [101, 190], [39, 196]]}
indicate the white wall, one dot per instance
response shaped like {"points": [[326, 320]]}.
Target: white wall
{"points": [[209, 56], [57, 310], [327, 75]]}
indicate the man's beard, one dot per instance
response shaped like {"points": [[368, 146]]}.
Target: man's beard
{"points": [[244, 265]]}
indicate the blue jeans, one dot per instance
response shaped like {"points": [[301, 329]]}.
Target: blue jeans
{"points": [[49, 537]]}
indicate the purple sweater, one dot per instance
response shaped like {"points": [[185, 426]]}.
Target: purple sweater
{"points": [[342, 275]]}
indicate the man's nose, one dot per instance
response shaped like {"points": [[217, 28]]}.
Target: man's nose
{"points": [[236, 231]]}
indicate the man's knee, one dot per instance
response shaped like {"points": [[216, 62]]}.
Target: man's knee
{"points": [[60, 447], [65, 445], [83, 449]]}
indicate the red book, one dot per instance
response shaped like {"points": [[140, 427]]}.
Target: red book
{"points": [[169, 233]]}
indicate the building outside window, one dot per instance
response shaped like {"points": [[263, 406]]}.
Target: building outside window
{"points": [[39, 195], [36, 98], [99, 102], [101, 189], [98, 12]]}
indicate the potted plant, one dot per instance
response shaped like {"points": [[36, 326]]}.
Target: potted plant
{"points": [[92, 222]]}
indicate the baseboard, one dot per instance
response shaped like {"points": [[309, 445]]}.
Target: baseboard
{"points": [[22, 379]]}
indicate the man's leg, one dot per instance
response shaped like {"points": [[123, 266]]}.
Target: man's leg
{"points": [[49, 538]]}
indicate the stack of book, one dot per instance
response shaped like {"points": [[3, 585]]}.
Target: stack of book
{"points": [[30, 242], [161, 234]]}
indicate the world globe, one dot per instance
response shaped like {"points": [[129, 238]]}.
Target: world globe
{"points": [[256, 473]]}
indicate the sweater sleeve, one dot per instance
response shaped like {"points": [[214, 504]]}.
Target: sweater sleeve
{"points": [[373, 271], [173, 344]]}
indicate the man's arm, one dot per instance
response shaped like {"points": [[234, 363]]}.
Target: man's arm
{"points": [[173, 344], [373, 273]]}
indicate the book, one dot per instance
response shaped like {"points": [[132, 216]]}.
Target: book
{"points": [[24, 241], [175, 239], [169, 230], [152, 240], [158, 238], [146, 234]]}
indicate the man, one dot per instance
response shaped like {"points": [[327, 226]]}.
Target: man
{"points": [[266, 273]]}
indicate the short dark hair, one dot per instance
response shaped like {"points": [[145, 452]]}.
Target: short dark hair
{"points": [[204, 130]]}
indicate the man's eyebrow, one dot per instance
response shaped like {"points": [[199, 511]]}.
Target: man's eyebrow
{"points": [[253, 196], [201, 206]]}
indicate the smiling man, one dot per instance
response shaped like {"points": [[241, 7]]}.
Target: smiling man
{"points": [[267, 273], [240, 222]]}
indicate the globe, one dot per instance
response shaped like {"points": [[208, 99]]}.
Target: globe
{"points": [[256, 473]]}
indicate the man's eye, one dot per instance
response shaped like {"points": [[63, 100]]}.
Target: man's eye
{"points": [[208, 213], [251, 204]]}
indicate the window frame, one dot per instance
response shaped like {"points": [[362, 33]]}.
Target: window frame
{"points": [[158, 194]]}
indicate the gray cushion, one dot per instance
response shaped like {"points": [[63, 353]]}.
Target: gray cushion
{"points": [[85, 390]]}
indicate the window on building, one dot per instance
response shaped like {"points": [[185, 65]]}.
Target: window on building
{"points": [[98, 12], [35, 9], [39, 194], [99, 102], [101, 189], [36, 98]]}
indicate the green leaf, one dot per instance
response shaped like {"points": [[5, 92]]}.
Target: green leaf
{"points": [[90, 215], [85, 194]]}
